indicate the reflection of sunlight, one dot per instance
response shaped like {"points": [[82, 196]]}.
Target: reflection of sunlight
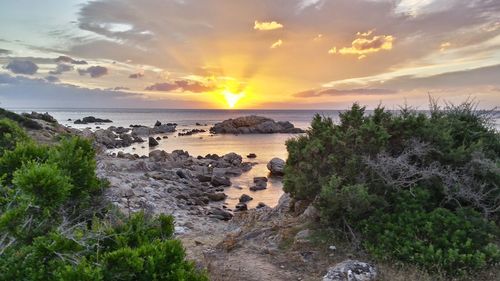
{"points": [[232, 98]]}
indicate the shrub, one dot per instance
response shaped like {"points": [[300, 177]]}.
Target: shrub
{"points": [[363, 173], [437, 239], [23, 153], [10, 135]]}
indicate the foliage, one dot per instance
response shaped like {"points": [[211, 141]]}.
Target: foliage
{"points": [[358, 170], [437, 239], [10, 135], [55, 226], [21, 120]]}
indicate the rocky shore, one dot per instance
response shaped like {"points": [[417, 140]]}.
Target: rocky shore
{"points": [[277, 241]]}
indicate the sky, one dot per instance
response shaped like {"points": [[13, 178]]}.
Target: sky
{"points": [[248, 54]]}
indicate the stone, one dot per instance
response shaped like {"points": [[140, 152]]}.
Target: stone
{"points": [[220, 181], [253, 125], [220, 214], [218, 196], [302, 236], [351, 270], [252, 155], [152, 142], [259, 179], [241, 206], [245, 198], [276, 166], [158, 123], [158, 155], [204, 178], [261, 205]]}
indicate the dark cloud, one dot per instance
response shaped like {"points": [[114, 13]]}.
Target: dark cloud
{"points": [[182, 85], [18, 91], [67, 59], [60, 68], [94, 71], [52, 79], [136, 75], [4, 52], [22, 67], [344, 92], [120, 88]]}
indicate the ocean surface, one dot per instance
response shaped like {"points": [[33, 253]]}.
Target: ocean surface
{"points": [[266, 146]]}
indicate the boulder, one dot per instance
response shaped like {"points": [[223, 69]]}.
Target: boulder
{"points": [[245, 198], [152, 142], [260, 205], [241, 206], [252, 155], [218, 196], [260, 183], [141, 130], [220, 214], [92, 119], [158, 123], [276, 166], [253, 125], [351, 270], [158, 155], [220, 181], [232, 158]]}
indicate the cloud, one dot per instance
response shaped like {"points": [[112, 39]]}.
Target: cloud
{"points": [[277, 44], [52, 79], [181, 85], [67, 59], [94, 71], [267, 25], [136, 75], [344, 92], [444, 46], [4, 52], [22, 67], [364, 45], [60, 68]]}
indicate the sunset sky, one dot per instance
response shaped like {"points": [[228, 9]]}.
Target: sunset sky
{"points": [[282, 54]]}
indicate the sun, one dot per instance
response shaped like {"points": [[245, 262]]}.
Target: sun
{"points": [[232, 98]]}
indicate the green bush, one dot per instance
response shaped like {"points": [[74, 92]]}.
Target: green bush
{"points": [[10, 135], [359, 173], [437, 239], [25, 152]]}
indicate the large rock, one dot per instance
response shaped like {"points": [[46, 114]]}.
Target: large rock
{"points": [[220, 181], [153, 142], [92, 119], [253, 125], [276, 166], [220, 214], [351, 270]]}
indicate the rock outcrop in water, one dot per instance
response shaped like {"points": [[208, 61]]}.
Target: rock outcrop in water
{"points": [[254, 125], [91, 119]]}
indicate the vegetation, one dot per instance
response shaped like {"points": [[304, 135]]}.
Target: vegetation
{"points": [[422, 188], [54, 224]]}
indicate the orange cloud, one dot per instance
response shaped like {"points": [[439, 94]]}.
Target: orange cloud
{"points": [[444, 46], [277, 44], [265, 25], [363, 45]]}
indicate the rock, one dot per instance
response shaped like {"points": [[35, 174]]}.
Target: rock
{"points": [[204, 178], [241, 206], [158, 123], [158, 155], [311, 213], [220, 214], [302, 236], [245, 198], [141, 130], [92, 119], [259, 179], [276, 166], [163, 128], [260, 205], [152, 142], [41, 116], [260, 183], [182, 174], [232, 158], [252, 155], [220, 181], [351, 270], [253, 125], [218, 196], [158, 138]]}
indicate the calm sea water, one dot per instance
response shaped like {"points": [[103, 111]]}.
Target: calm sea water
{"points": [[265, 146]]}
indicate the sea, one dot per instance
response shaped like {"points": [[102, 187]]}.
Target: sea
{"points": [[265, 146]]}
